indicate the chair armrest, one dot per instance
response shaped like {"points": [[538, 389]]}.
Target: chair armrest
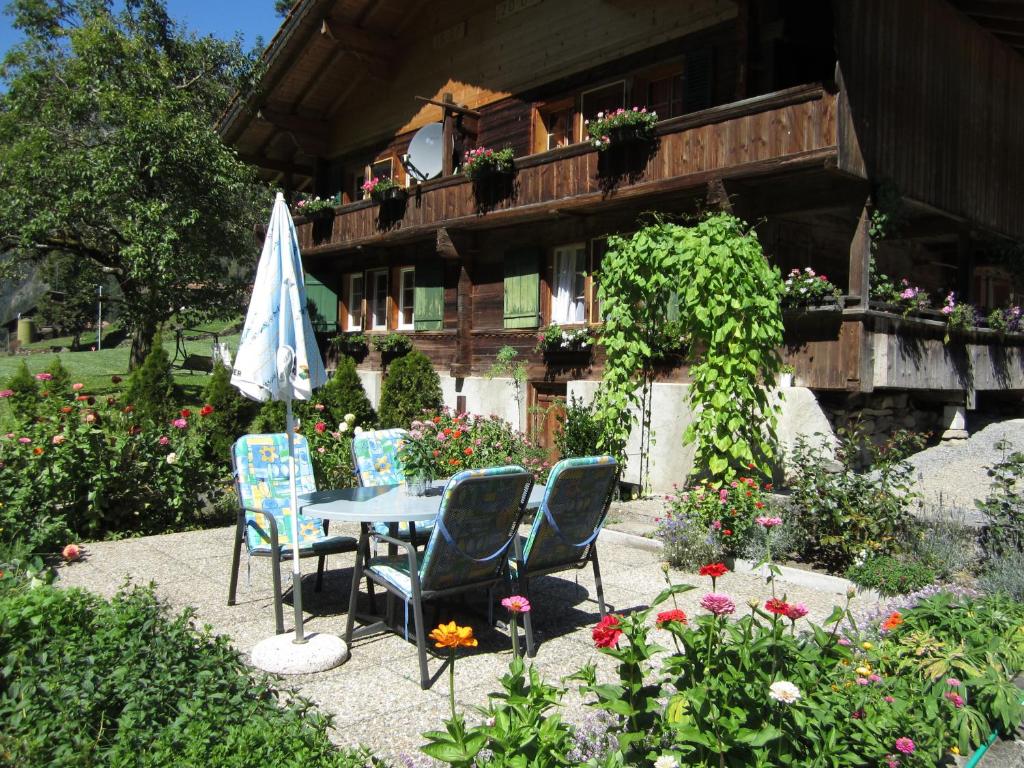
{"points": [[410, 550]]}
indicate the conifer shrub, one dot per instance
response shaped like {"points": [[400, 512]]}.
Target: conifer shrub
{"points": [[23, 397], [411, 388], [151, 387], [232, 414], [60, 385], [344, 394]]}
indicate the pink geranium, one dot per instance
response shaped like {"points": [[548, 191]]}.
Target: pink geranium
{"points": [[718, 604]]}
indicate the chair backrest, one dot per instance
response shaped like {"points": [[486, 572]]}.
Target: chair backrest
{"points": [[375, 456], [571, 514], [480, 513], [261, 479]]}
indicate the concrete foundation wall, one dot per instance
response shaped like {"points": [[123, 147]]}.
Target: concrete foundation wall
{"points": [[486, 397], [371, 383]]}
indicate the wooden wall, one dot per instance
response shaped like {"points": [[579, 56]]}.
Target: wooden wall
{"points": [[938, 107]]}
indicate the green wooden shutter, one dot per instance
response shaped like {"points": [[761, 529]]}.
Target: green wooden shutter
{"points": [[522, 288], [322, 303], [428, 297]]}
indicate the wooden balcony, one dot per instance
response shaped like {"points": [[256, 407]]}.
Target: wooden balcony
{"points": [[787, 130]]}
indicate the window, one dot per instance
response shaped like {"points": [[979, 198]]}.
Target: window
{"points": [[604, 99], [554, 124], [598, 248], [665, 96], [406, 297], [354, 302], [569, 286], [558, 127], [378, 299]]}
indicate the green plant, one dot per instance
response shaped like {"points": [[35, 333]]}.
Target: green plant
{"points": [[507, 364], [728, 299], [376, 187], [960, 316], [1006, 320], [411, 388], [482, 162], [850, 515], [22, 394], [805, 288], [1003, 508], [59, 384], [343, 394], [230, 417], [393, 344], [151, 388], [640, 120], [1004, 575], [889, 575], [353, 344], [314, 206], [123, 683], [554, 338], [724, 516], [579, 432]]}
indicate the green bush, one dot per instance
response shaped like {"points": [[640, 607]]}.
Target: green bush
{"points": [[231, 417], [88, 682], [1003, 508], [1004, 575], [891, 575], [850, 514], [59, 386], [580, 431], [22, 394], [344, 394], [151, 386], [411, 388]]}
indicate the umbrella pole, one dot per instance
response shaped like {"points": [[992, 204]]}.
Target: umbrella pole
{"points": [[296, 573]]}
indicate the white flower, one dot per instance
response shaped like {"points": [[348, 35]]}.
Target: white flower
{"points": [[172, 458], [666, 761], [359, 430], [784, 691], [350, 417], [343, 427]]}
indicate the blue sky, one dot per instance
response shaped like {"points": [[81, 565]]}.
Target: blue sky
{"points": [[221, 18]]}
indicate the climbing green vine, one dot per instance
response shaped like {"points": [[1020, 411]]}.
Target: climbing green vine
{"points": [[727, 297]]}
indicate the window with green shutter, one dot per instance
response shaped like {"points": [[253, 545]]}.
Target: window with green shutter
{"points": [[322, 303], [428, 301], [522, 288]]}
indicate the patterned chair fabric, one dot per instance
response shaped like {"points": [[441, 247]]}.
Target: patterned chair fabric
{"points": [[377, 462], [261, 477], [575, 501], [480, 512]]}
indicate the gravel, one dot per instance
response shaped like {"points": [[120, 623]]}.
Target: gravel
{"points": [[951, 476]]}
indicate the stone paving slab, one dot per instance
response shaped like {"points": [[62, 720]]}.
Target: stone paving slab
{"points": [[375, 696]]}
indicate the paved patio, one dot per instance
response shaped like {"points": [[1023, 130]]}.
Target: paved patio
{"points": [[375, 696]]}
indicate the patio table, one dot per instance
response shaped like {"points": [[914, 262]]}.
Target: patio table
{"points": [[391, 504]]}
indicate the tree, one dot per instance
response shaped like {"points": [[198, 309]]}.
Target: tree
{"points": [[151, 389], [412, 387], [108, 153], [70, 305], [281, 7], [343, 394]]}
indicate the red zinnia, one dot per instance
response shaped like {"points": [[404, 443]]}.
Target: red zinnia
{"points": [[185, 413], [468, 451], [776, 606], [714, 570], [206, 410], [606, 634], [667, 616], [320, 427], [727, 532]]}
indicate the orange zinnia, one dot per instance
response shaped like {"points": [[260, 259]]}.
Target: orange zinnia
{"points": [[452, 636], [894, 620]]}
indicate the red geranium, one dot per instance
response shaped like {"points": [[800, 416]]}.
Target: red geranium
{"points": [[206, 410], [776, 606], [667, 616], [714, 570], [606, 634]]}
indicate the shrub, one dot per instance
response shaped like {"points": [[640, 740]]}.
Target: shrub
{"points": [[786, 540], [891, 575], [411, 388], [1004, 575], [848, 514], [85, 681], [1004, 507], [22, 393], [725, 514], [580, 431], [687, 543], [232, 414], [151, 387], [344, 394], [392, 345], [59, 385], [946, 544]]}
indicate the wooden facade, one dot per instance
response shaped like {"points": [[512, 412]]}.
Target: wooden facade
{"points": [[793, 113]]}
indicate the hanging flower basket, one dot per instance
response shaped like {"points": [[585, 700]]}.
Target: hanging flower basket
{"points": [[314, 208], [484, 164], [621, 127], [385, 191]]}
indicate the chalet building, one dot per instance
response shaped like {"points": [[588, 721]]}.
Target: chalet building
{"points": [[844, 131]]}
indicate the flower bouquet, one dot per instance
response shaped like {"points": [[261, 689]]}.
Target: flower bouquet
{"points": [[620, 126], [482, 163]]}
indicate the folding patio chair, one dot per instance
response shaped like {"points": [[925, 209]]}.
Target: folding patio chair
{"points": [[565, 528], [376, 456], [260, 464], [479, 518]]}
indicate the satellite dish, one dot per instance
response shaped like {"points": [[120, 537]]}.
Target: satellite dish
{"points": [[426, 152]]}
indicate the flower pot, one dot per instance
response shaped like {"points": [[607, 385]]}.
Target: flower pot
{"points": [[627, 134], [391, 195]]}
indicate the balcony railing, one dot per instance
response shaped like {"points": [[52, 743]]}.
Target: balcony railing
{"points": [[762, 135]]}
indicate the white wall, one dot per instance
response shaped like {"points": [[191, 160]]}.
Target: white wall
{"points": [[486, 397]]}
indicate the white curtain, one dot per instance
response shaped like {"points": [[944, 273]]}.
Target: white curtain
{"points": [[565, 308]]}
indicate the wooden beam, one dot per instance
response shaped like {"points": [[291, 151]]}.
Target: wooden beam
{"points": [[356, 40], [859, 283], [449, 105], [314, 129], [992, 9], [448, 136], [281, 166], [445, 247]]}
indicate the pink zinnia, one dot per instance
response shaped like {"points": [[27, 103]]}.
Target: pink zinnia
{"points": [[71, 553], [77, 386], [956, 698], [796, 611], [862, 681], [58, 439], [179, 423], [905, 745], [44, 376], [6, 392], [516, 604], [768, 522], [164, 440], [888, 699], [952, 681], [718, 604], [320, 427], [24, 440]]}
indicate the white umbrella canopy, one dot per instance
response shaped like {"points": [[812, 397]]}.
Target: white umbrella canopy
{"points": [[278, 357]]}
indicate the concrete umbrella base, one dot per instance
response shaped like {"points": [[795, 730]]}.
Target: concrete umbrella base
{"points": [[281, 655]]}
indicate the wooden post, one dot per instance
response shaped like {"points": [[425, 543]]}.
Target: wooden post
{"points": [[447, 137], [860, 258], [462, 365], [718, 197], [965, 266]]}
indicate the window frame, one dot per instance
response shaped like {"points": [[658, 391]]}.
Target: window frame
{"points": [[583, 116], [347, 287], [371, 301], [576, 249], [400, 323]]}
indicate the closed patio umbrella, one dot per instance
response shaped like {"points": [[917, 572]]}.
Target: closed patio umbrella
{"points": [[278, 359]]}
